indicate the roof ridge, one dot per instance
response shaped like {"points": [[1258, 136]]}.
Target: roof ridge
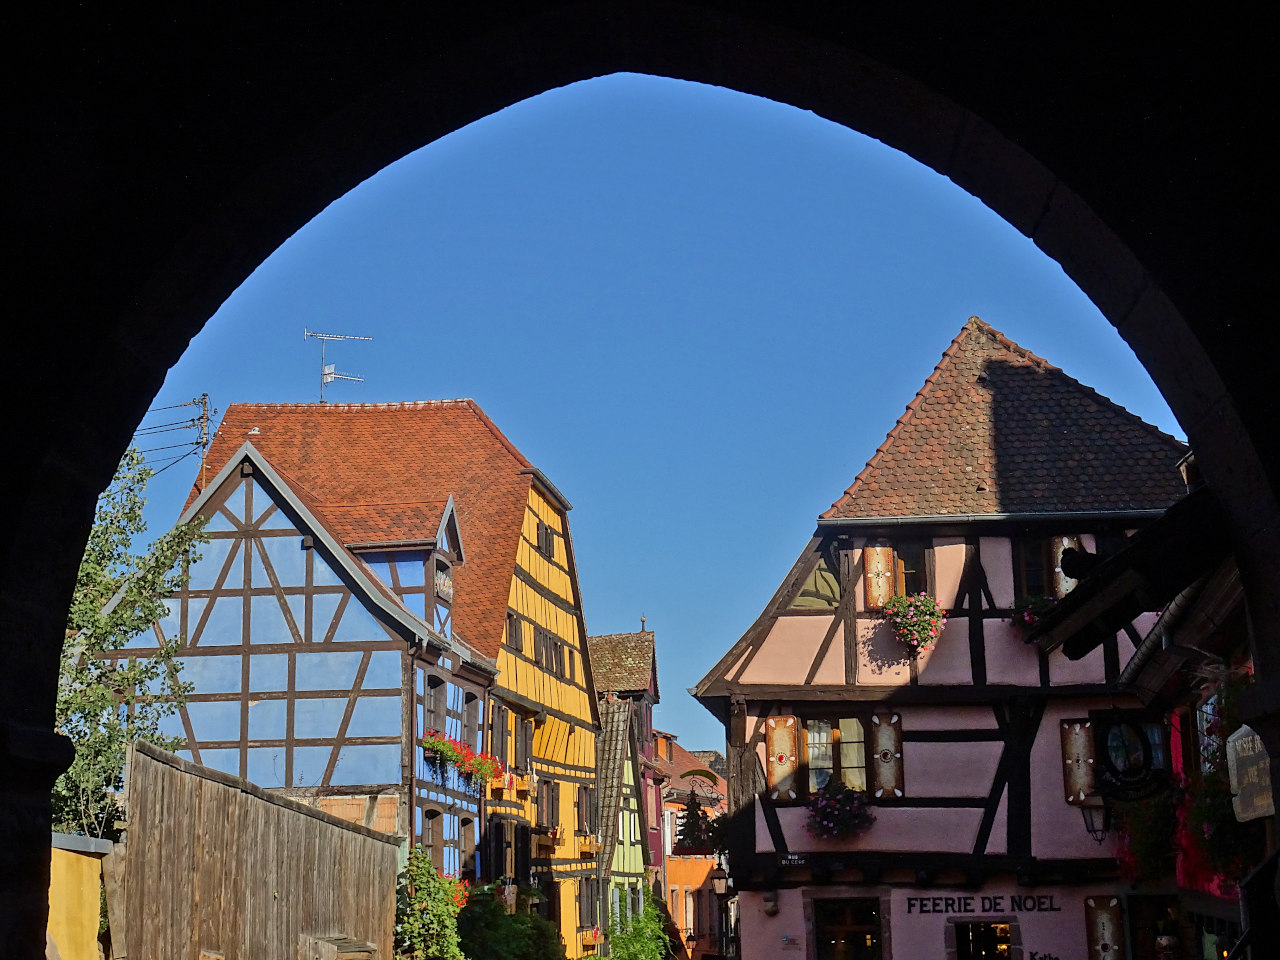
{"points": [[498, 434], [322, 406]]}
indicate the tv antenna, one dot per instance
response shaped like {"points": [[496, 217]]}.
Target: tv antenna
{"points": [[328, 373]]}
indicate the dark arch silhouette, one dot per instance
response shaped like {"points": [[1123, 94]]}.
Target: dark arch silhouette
{"points": [[157, 160]]}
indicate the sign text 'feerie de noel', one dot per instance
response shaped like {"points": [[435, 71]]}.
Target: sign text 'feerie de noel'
{"points": [[1001, 903]]}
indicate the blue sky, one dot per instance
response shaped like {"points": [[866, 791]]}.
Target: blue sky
{"points": [[698, 312]]}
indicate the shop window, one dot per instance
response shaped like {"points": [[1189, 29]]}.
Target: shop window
{"points": [[982, 941], [847, 929]]}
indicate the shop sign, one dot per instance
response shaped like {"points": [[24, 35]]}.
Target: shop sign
{"points": [[1250, 770], [1132, 756], [968, 903]]}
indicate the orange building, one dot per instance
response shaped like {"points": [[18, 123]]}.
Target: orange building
{"points": [[693, 905]]}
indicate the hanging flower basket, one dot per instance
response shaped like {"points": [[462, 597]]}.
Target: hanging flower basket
{"points": [[836, 812], [917, 621], [479, 767], [1028, 613]]}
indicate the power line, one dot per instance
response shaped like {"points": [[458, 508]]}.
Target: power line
{"points": [[172, 446], [177, 459], [175, 406]]}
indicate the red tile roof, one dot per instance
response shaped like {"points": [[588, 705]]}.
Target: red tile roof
{"points": [[997, 430], [622, 662], [383, 472]]}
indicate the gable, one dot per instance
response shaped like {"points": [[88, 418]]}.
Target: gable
{"points": [[996, 430], [379, 474]]}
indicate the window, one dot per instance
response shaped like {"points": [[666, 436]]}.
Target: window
{"points": [[982, 941], [553, 654], [522, 762], [515, 631], [836, 749], [500, 734], [546, 540], [847, 929], [900, 569], [548, 803], [862, 752], [586, 810], [1037, 566], [821, 590], [588, 903]]}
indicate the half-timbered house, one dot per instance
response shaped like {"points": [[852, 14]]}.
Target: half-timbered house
{"points": [[975, 753], [625, 667], [316, 636], [1208, 888], [377, 572]]}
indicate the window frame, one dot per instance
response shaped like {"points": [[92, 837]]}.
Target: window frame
{"points": [[923, 580], [804, 769]]}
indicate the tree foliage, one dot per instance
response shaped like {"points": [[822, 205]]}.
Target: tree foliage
{"points": [[427, 906], [694, 833], [488, 932], [640, 936], [104, 704]]}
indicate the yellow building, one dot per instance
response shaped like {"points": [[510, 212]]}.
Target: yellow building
{"points": [[75, 885]]}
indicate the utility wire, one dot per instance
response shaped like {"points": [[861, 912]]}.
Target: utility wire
{"points": [[172, 446], [175, 406], [175, 460]]}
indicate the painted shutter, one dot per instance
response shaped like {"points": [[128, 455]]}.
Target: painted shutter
{"points": [[782, 745], [1077, 760], [886, 756], [1103, 919], [878, 575]]}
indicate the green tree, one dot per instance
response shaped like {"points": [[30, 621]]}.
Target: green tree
{"points": [[640, 936], [427, 906], [694, 833], [487, 932], [104, 704]]}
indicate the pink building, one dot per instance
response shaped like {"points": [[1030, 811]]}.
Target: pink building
{"points": [[981, 755]]}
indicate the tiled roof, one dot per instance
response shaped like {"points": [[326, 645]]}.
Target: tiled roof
{"points": [[622, 662], [383, 472], [997, 430], [611, 760]]}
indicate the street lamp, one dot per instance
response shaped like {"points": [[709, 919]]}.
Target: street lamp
{"points": [[1097, 819], [719, 881]]}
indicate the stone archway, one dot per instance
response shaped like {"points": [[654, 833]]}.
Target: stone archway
{"points": [[159, 162]]}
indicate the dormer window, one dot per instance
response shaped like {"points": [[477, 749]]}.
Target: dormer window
{"points": [[443, 591]]}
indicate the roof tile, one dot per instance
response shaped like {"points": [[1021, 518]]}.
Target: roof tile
{"points": [[997, 430], [384, 472]]}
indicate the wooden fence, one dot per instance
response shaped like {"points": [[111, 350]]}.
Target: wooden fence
{"points": [[215, 867]]}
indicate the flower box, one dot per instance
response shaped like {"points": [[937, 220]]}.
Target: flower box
{"points": [[589, 845], [549, 837], [593, 937]]}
